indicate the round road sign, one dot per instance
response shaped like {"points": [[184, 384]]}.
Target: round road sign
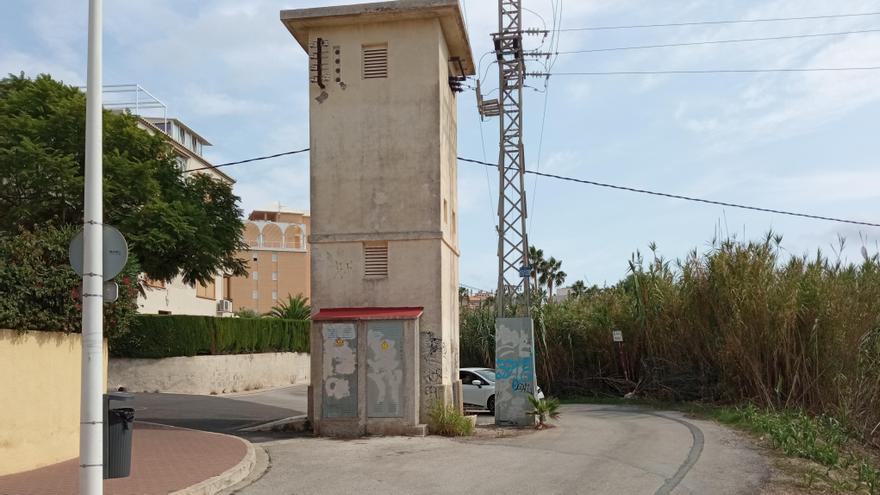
{"points": [[115, 253]]}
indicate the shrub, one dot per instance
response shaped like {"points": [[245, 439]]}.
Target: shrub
{"points": [[39, 289], [742, 322], [294, 308], [543, 409], [446, 420], [161, 336]]}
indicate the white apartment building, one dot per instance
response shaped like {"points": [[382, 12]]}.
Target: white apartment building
{"points": [[175, 296]]}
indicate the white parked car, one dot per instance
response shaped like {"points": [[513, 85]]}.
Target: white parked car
{"points": [[478, 388]]}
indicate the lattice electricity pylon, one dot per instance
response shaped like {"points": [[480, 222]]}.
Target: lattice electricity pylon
{"points": [[513, 242]]}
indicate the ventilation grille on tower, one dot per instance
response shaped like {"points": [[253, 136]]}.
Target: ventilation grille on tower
{"points": [[375, 260], [375, 61]]}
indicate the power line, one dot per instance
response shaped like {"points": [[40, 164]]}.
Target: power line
{"points": [[700, 71], [480, 122], [557, 25], [259, 158], [712, 42], [606, 185], [471, 287], [734, 21], [684, 198]]}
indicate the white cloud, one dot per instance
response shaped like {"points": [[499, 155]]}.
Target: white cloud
{"points": [[15, 62], [216, 104]]}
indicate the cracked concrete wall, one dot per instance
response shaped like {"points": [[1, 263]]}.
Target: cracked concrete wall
{"points": [[384, 169], [204, 375]]}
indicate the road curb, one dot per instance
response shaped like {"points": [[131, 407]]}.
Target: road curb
{"points": [[293, 423], [231, 476]]}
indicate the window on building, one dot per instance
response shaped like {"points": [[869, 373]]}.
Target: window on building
{"points": [[445, 212], [454, 223], [255, 275], [274, 295], [206, 291], [375, 259], [255, 295], [375, 61], [180, 163], [274, 257], [274, 275]]}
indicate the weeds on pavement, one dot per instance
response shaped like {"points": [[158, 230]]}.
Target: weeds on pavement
{"points": [[822, 439], [446, 420]]}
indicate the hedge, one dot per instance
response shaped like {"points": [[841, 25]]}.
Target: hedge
{"points": [[161, 336]]}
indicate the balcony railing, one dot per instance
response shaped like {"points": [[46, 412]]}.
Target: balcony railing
{"points": [[295, 245]]}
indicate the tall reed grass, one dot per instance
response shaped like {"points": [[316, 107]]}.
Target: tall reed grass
{"points": [[742, 322]]}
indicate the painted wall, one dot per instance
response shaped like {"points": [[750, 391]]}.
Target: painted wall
{"points": [[383, 169], [366, 377], [40, 396], [204, 375], [278, 247], [179, 298]]}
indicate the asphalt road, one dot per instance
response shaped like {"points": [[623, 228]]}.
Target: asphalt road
{"points": [[223, 414], [596, 449]]}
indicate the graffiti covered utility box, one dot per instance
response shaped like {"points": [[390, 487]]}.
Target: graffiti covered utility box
{"points": [[514, 371], [365, 372]]}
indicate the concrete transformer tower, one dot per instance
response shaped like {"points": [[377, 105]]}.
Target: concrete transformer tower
{"points": [[383, 131]]}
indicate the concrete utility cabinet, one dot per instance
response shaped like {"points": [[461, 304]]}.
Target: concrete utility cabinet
{"points": [[365, 365], [384, 198]]}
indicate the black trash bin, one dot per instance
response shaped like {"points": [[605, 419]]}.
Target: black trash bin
{"points": [[118, 428], [119, 442]]}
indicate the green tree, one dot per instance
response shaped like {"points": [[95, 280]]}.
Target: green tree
{"points": [[463, 295], [40, 291], [552, 275], [175, 223], [578, 289], [247, 313], [294, 308], [536, 260]]}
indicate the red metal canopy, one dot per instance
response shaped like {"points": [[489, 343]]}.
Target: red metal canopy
{"points": [[407, 313]]}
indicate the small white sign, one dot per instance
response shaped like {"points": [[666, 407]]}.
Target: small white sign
{"points": [[617, 335], [344, 331]]}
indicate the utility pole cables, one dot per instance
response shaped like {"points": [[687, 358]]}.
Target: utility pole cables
{"points": [[513, 243]]}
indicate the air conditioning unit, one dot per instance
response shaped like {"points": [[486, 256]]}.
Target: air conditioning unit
{"points": [[224, 306]]}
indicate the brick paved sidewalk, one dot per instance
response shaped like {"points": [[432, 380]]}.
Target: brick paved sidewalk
{"points": [[164, 459]]}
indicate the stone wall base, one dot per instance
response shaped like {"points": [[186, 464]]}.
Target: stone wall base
{"points": [[209, 375]]}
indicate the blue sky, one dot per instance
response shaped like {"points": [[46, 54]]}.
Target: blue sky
{"points": [[805, 142]]}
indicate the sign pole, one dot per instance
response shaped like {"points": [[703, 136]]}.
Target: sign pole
{"points": [[91, 442]]}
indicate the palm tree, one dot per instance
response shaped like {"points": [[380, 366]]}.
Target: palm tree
{"points": [[464, 296], [578, 289], [295, 308], [552, 275], [536, 260], [543, 409]]}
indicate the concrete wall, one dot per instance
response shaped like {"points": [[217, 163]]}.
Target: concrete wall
{"points": [[39, 393], [383, 169], [209, 374]]}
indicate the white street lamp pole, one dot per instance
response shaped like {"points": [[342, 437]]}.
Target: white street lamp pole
{"points": [[91, 429]]}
